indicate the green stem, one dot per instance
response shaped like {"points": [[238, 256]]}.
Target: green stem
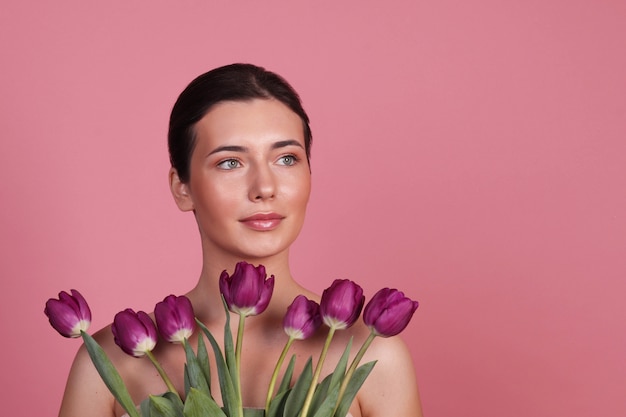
{"points": [[281, 359], [352, 368], [316, 375], [161, 371], [242, 320]]}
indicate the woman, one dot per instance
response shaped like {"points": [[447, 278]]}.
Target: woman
{"points": [[239, 143]]}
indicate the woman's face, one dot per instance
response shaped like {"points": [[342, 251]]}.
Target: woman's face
{"points": [[249, 180]]}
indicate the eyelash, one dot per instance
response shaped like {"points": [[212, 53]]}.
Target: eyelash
{"points": [[294, 158], [222, 164]]}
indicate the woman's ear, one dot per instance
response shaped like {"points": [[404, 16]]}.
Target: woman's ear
{"points": [[180, 191]]}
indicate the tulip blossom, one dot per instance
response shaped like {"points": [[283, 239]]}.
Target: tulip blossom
{"points": [[300, 322], [389, 312], [386, 315], [341, 304], [134, 332], [69, 315], [248, 291], [302, 318], [175, 319]]}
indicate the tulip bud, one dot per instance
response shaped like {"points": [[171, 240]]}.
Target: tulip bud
{"points": [[134, 332], [248, 291], [174, 318], [388, 312], [341, 304], [69, 315], [302, 318]]}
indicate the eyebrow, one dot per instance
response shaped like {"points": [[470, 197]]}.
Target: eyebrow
{"points": [[236, 148], [284, 143], [228, 148]]}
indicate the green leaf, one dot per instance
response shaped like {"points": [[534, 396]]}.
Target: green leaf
{"points": [[203, 361], [176, 402], [253, 412], [326, 394], [198, 404], [229, 396], [109, 375], [353, 387], [145, 408], [340, 370], [277, 404], [194, 371], [186, 380], [328, 404], [321, 392], [286, 380], [297, 395], [159, 406]]}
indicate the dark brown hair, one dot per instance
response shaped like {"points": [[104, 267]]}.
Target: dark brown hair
{"points": [[235, 82]]}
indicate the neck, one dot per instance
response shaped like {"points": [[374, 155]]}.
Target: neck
{"points": [[205, 296]]}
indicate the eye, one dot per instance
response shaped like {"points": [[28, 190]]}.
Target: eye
{"points": [[229, 164], [287, 160]]}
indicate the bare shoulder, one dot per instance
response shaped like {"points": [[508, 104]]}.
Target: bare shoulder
{"points": [[391, 389], [85, 393]]}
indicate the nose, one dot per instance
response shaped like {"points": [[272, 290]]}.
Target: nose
{"points": [[262, 184]]}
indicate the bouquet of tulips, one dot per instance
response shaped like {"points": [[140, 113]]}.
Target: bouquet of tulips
{"points": [[246, 293]]}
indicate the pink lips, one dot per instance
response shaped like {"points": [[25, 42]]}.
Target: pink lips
{"points": [[263, 221]]}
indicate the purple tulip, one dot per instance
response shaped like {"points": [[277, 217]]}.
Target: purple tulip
{"points": [[302, 318], [69, 315], [248, 291], [341, 304], [134, 332], [174, 318], [389, 312]]}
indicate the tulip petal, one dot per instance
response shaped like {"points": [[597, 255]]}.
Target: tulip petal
{"points": [[247, 291], [62, 317], [83, 307], [69, 314], [225, 287], [265, 296], [175, 318], [302, 318], [341, 304], [389, 312], [134, 332]]}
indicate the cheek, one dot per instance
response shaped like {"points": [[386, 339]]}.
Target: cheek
{"points": [[305, 194], [301, 191], [214, 199]]}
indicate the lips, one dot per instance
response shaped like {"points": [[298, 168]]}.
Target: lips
{"points": [[263, 221]]}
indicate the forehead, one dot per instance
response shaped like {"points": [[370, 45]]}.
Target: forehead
{"points": [[253, 121]]}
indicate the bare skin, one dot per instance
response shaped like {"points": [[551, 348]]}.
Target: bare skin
{"points": [[249, 158]]}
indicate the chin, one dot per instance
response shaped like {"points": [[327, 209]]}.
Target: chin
{"points": [[263, 250]]}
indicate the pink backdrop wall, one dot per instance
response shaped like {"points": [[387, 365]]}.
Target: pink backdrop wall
{"points": [[470, 153]]}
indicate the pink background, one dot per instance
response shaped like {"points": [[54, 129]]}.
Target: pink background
{"points": [[469, 153]]}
